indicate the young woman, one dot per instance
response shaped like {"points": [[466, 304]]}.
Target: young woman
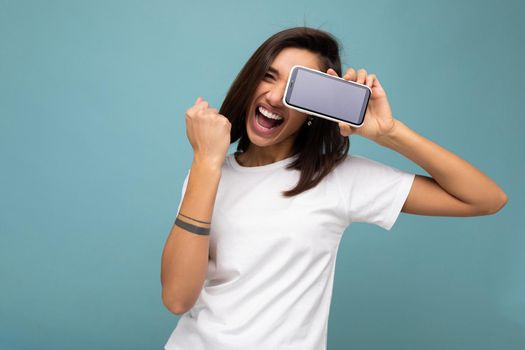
{"points": [[260, 274]]}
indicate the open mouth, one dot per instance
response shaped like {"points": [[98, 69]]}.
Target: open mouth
{"points": [[266, 119]]}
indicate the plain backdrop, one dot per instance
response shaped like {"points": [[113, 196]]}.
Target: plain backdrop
{"points": [[94, 152]]}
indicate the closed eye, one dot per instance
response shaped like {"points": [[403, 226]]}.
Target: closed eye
{"points": [[269, 75]]}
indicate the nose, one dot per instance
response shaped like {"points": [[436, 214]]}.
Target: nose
{"points": [[275, 95]]}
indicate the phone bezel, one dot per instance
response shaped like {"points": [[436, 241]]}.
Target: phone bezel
{"points": [[289, 89]]}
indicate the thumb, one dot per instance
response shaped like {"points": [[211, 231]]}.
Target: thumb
{"points": [[331, 72], [346, 129], [199, 99]]}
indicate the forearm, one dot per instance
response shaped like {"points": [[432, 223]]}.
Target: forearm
{"points": [[185, 255], [454, 174]]}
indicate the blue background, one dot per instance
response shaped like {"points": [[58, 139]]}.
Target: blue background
{"points": [[94, 153]]}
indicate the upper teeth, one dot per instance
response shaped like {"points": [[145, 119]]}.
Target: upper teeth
{"points": [[269, 114]]}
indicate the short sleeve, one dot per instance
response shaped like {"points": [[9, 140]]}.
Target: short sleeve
{"points": [[373, 192], [184, 185]]}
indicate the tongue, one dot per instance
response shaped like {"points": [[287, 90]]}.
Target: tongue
{"points": [[267, 122]]}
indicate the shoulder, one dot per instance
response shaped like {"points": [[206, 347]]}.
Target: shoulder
{"points": [[354, 162], [365, 170]]}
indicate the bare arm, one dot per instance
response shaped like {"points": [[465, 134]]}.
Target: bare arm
{"points": [[185, 255], [456, 187]]}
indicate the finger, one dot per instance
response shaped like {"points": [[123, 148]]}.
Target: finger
{"points": [[195, 106], [361, 76], [377, 83], [370, 80], [350, 74], [345, 129], [203, 104], [332, 72]]}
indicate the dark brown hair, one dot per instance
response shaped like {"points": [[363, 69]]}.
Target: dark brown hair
{"points": [[320, 147]]}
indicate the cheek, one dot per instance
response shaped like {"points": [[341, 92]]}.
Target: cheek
{"points": [[296, 119]]}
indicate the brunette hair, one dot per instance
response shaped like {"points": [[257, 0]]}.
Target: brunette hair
{"points": [[320, 147]]}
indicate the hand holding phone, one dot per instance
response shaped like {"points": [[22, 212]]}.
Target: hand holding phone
{"points": [[326, 96]]}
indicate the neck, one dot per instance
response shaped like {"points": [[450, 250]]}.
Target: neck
{"points": [[259, 156]]}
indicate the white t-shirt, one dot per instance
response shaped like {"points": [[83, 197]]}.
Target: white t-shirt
{"points": [[272, 259]]}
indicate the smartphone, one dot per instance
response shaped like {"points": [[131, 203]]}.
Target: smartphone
{"points": [[326, 96]]}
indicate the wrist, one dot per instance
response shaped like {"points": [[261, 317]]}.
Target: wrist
{"points": [[392, 135], [206, 164]]}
